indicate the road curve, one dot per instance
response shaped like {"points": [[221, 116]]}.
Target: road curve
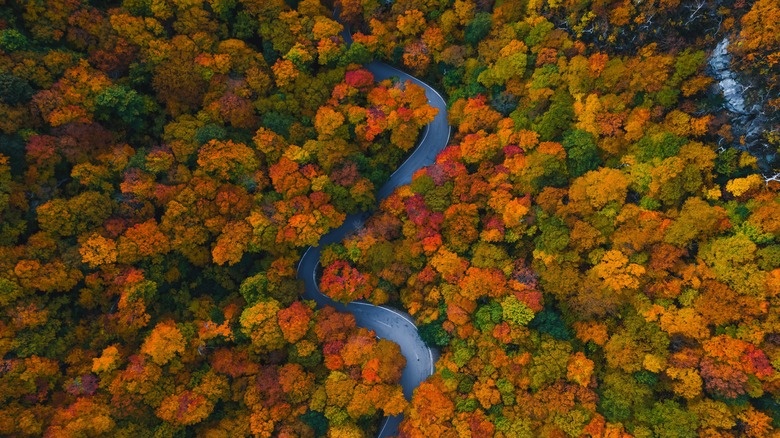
{"points": [[387, 322]]}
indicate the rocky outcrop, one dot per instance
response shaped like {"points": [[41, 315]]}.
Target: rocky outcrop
{"points": [[748, 120]]}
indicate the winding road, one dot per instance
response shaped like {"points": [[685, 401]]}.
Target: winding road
{"points": [[387, 322]]}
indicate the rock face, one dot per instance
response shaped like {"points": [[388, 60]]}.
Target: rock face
{"points": [[727, 80], [748, 121]]}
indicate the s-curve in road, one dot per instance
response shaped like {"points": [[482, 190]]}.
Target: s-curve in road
{"points": [[388, 323]]}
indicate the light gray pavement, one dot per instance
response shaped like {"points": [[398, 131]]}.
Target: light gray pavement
{"points": [[387, 322]]}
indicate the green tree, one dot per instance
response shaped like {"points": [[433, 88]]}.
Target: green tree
{"points": [[661, 145], [549, 321], [254, 288], [478, 28], [516, 311], [487, 316], [14, 90], [317, 421], [123, 103], [11, 40], [209, 132], [581, 152], [622, 396], [670, 420], [433, 334], [557, 118]]}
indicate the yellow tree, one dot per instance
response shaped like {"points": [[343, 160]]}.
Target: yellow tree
{"points": [[97, 250], [616, 272], [164, 343], [232, 243], [511, 63], [259, 323]]}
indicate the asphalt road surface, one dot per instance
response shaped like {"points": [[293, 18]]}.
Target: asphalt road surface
{"points": [[387, 322]]}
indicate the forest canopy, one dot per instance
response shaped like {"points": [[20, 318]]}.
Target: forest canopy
{"points": [[596, 252]]}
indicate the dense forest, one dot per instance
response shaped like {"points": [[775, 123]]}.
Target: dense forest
{"points": [[596, 253]]}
